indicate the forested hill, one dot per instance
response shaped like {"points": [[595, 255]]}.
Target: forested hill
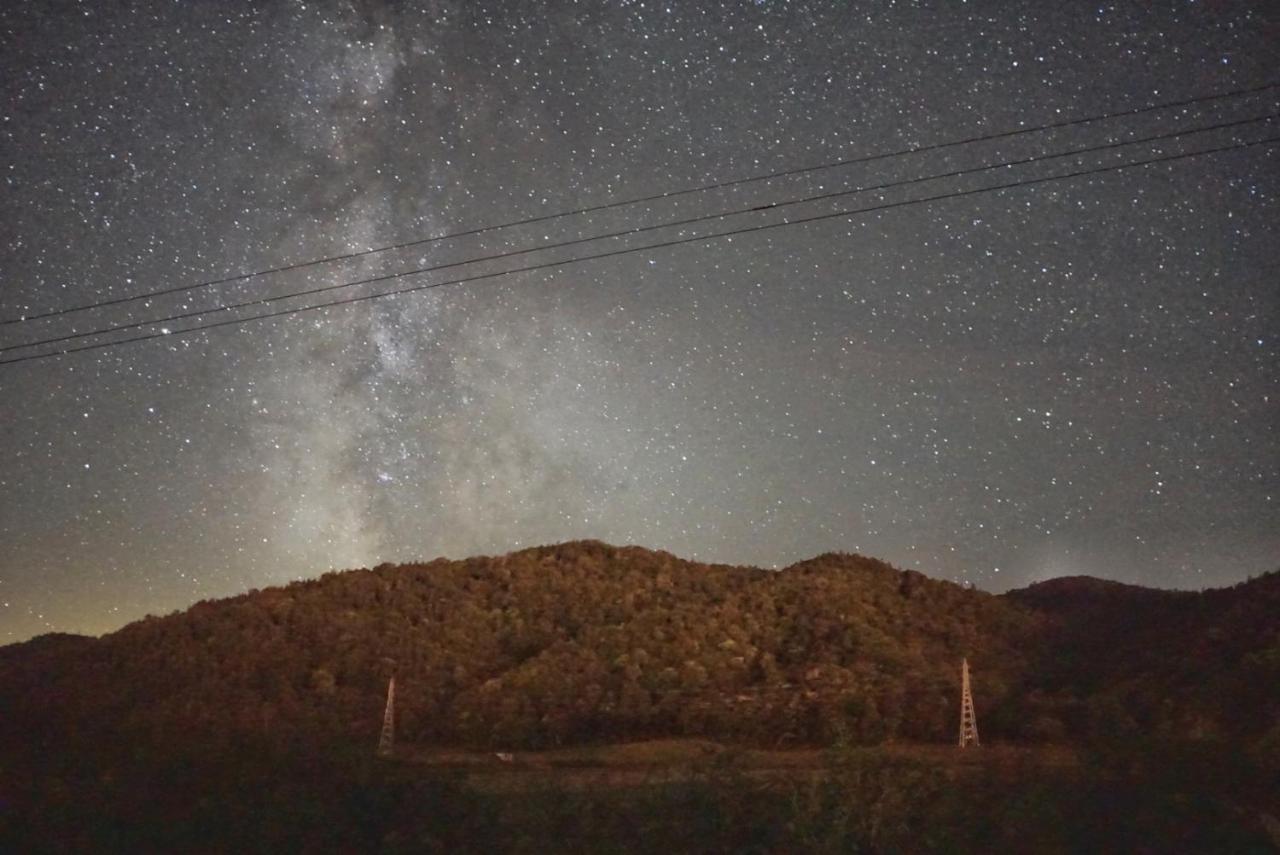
{"points": [[1122, 661], [588, 642]]}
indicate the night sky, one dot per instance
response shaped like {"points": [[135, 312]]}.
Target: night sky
{"points": [[1070, 377]]}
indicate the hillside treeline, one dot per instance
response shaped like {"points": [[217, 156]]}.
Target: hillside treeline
{"points": [[585, 642], [248, 724], [550, 646]]}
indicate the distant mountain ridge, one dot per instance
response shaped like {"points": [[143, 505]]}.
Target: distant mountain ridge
{"points": [[584, 641]]}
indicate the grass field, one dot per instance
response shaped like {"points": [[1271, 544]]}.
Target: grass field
{"points": [[661, 761]]}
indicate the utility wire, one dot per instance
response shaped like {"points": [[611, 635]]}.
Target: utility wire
{"points": [[629, 250], [672, 194], [264, 301]]}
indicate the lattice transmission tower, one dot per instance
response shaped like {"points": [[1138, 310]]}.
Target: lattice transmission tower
{"points": [[387, 741], [968, 718]]}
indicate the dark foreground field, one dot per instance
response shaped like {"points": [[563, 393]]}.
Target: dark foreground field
{"points": [[666, 761], [662, 796]]}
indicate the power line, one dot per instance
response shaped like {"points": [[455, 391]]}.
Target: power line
{"points": [[719, 185], [264, 301], [629, 250]]}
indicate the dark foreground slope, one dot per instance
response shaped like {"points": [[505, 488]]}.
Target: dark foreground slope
{"points": [[247, 723]]}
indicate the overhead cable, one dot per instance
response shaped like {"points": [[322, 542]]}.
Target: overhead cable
{"points": [[666, 195], [632, 250], [321, 289]]}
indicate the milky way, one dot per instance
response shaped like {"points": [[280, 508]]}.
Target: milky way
{"points": [[1069, 377]]}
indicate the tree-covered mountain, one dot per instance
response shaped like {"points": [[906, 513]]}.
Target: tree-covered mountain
{"points": [[248, 724], [588, 642], [1119, 661]]}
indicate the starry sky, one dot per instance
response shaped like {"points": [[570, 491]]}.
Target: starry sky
{"points": [[998, 388]]}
